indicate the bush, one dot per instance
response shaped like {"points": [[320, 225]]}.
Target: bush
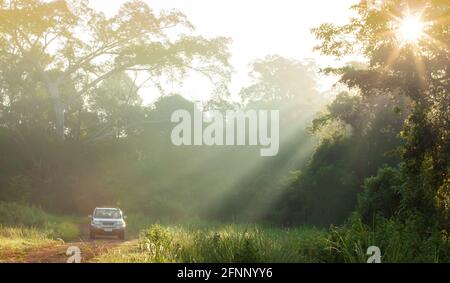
{"points": [[17, 215], [412, 240], [65, 230], [158, 244], [230, 245], [381, 194], [13, 214], [18, 189]]}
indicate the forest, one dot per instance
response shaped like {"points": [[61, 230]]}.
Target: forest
{"points": [[365, 163]]}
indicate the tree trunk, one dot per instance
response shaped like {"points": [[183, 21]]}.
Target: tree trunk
{"points": [[53, 89], [59, 111], [59, 116]]}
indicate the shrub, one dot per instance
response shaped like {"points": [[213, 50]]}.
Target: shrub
{"points": [[414, 239], [159, 245], [230, 245], [381, 194], [13, 214], [18, 189], [65, 230], [17, 215]]}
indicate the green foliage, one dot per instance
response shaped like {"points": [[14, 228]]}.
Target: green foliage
{"points": [[382, 194], [393, 69], [135, 39], [18, 189], [16, 215], [414, 239], [384, 145], [64, 229], [366, 139], [276, 79], [230, 245], [206, 242], [158, 243], [13, 214]]}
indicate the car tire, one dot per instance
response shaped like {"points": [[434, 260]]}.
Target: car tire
{"points": [[92, 235], [122, 235]]}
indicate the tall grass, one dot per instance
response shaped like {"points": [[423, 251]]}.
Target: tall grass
{"points": [[22, 216], [412, 240], [230, 243], [14, 241]]}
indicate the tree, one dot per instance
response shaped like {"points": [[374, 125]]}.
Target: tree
{"points": [[290, 86], [277, 79], [358, 135], [416, 67], [67, 45], [381, 195], [118, 107]]}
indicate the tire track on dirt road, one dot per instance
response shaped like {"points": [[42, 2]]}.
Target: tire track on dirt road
{"points": [[89, 249]]}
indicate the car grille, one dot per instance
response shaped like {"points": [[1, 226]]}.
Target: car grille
{"points": [[108, 223]]}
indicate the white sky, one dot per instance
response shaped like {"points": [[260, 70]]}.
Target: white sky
{"points": [[257, 28]]}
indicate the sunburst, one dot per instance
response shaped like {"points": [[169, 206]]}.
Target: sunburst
{"points": [[410, 29]]}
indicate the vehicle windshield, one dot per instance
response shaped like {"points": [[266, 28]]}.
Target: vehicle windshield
{"points": [[107, 213]]}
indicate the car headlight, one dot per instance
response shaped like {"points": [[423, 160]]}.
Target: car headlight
{"points": [[95, 222], [120, 223]]}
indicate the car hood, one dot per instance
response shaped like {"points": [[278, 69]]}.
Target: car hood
{"points": [[107, 219]]}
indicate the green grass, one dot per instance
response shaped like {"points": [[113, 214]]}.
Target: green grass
{"points": [[14, 242], [400, 241], [214, 243], [411, 240], [23, 216], [26, 227]]}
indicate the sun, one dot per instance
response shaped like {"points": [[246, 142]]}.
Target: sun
{"points": [[411, 29]]}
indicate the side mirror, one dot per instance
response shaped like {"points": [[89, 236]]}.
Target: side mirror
{"points": [[90, 216], [124, 217]]}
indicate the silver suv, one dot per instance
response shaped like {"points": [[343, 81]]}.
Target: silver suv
{"points": [[107, 221]]}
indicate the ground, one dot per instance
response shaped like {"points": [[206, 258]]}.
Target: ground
{"points": [[55, 251]]}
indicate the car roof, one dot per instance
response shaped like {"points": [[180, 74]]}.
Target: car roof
{"points": [[107, 208]]}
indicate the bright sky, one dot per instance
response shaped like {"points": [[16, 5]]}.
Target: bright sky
{"points": [[257, 28]]}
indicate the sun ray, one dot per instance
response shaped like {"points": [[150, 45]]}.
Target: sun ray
{"points": [[410, 29]]}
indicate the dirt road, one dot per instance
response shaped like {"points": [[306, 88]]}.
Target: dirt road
{"points": [[57, 253]]}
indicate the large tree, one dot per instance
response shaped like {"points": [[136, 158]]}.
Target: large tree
{"points": [[406, 46], [69, 48]]}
